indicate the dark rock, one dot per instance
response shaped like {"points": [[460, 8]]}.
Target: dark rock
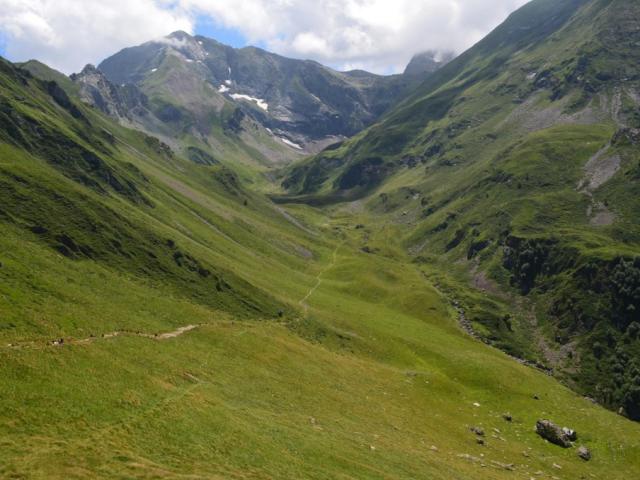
{"points": [[584, 453], [478, 431], [552, 433], [507, 417], [480, 441]]}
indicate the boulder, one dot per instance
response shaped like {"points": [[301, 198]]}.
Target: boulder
{"points": [[552, 433], [478, 431], [584, 453]]}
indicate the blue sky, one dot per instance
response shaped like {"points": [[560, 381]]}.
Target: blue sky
{"points": [[208, 28]]}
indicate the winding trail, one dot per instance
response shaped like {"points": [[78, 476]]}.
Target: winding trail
{"points": [[312, 290], [92, 339]]}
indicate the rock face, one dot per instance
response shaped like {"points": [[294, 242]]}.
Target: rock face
{"points": [[553, 433], [121, 102]]}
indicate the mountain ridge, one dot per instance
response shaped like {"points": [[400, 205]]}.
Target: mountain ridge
{"points": [[486, 164], [302, 98]]}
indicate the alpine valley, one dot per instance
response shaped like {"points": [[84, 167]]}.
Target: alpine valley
{"points": [[221, 263]]}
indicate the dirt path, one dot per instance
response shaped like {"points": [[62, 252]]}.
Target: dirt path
{"points": [[105, 336], [312, 290]]}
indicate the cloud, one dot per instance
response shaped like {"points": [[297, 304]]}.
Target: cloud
{"points": [[378, 35], [67, 34]]}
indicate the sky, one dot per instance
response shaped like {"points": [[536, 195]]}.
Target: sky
{"points": [[376, 35]]}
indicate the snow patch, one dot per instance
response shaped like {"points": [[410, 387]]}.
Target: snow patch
{"points": [[286, 141], [270, 131], [223, 89], [199, 42], [258, 101], [154, 70], [228, 82]]}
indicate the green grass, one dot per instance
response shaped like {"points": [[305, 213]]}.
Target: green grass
{"points": [[477, 172], [379, 362], [321, 350]]}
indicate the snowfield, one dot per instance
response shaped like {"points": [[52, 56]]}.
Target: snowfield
{"points": [[286, 141], [258, 101]]}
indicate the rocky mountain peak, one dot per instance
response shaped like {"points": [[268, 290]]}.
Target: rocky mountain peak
{"points": [[117, 101], [428, 62]]}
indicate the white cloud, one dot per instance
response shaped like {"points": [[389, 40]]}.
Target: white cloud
{"points": [[379, 35], [67, 34]]}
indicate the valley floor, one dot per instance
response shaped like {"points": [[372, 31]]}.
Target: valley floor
{"points": [[373, 378]]}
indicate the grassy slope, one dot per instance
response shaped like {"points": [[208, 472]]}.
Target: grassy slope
{"points": [[378, 362], [363, 374], [489, 154]]}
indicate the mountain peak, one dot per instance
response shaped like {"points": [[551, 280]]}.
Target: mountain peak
{"points": [[428, 62], [180, 35], [89, 69]]}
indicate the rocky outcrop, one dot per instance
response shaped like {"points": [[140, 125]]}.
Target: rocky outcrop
{"points": [[554, 434], [121, 102]]}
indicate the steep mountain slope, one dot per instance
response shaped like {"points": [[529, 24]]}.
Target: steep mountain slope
{"points": [[302, 101], [73, 180], [158, 319], [518, 162]]}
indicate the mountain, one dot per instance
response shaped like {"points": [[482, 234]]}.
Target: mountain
{"points": [[427, 63], [519, 161], [161, 317], [188, 79], [121, 102]]}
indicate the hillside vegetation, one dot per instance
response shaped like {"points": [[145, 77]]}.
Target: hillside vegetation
{"points": [[519, 161], [162, 318]]}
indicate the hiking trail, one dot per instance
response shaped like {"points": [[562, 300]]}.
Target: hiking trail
{"points": [[312, 290]]}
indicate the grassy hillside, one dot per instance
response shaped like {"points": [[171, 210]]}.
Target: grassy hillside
{"points": [[161, 318], [372, 379], [517, 162]]}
